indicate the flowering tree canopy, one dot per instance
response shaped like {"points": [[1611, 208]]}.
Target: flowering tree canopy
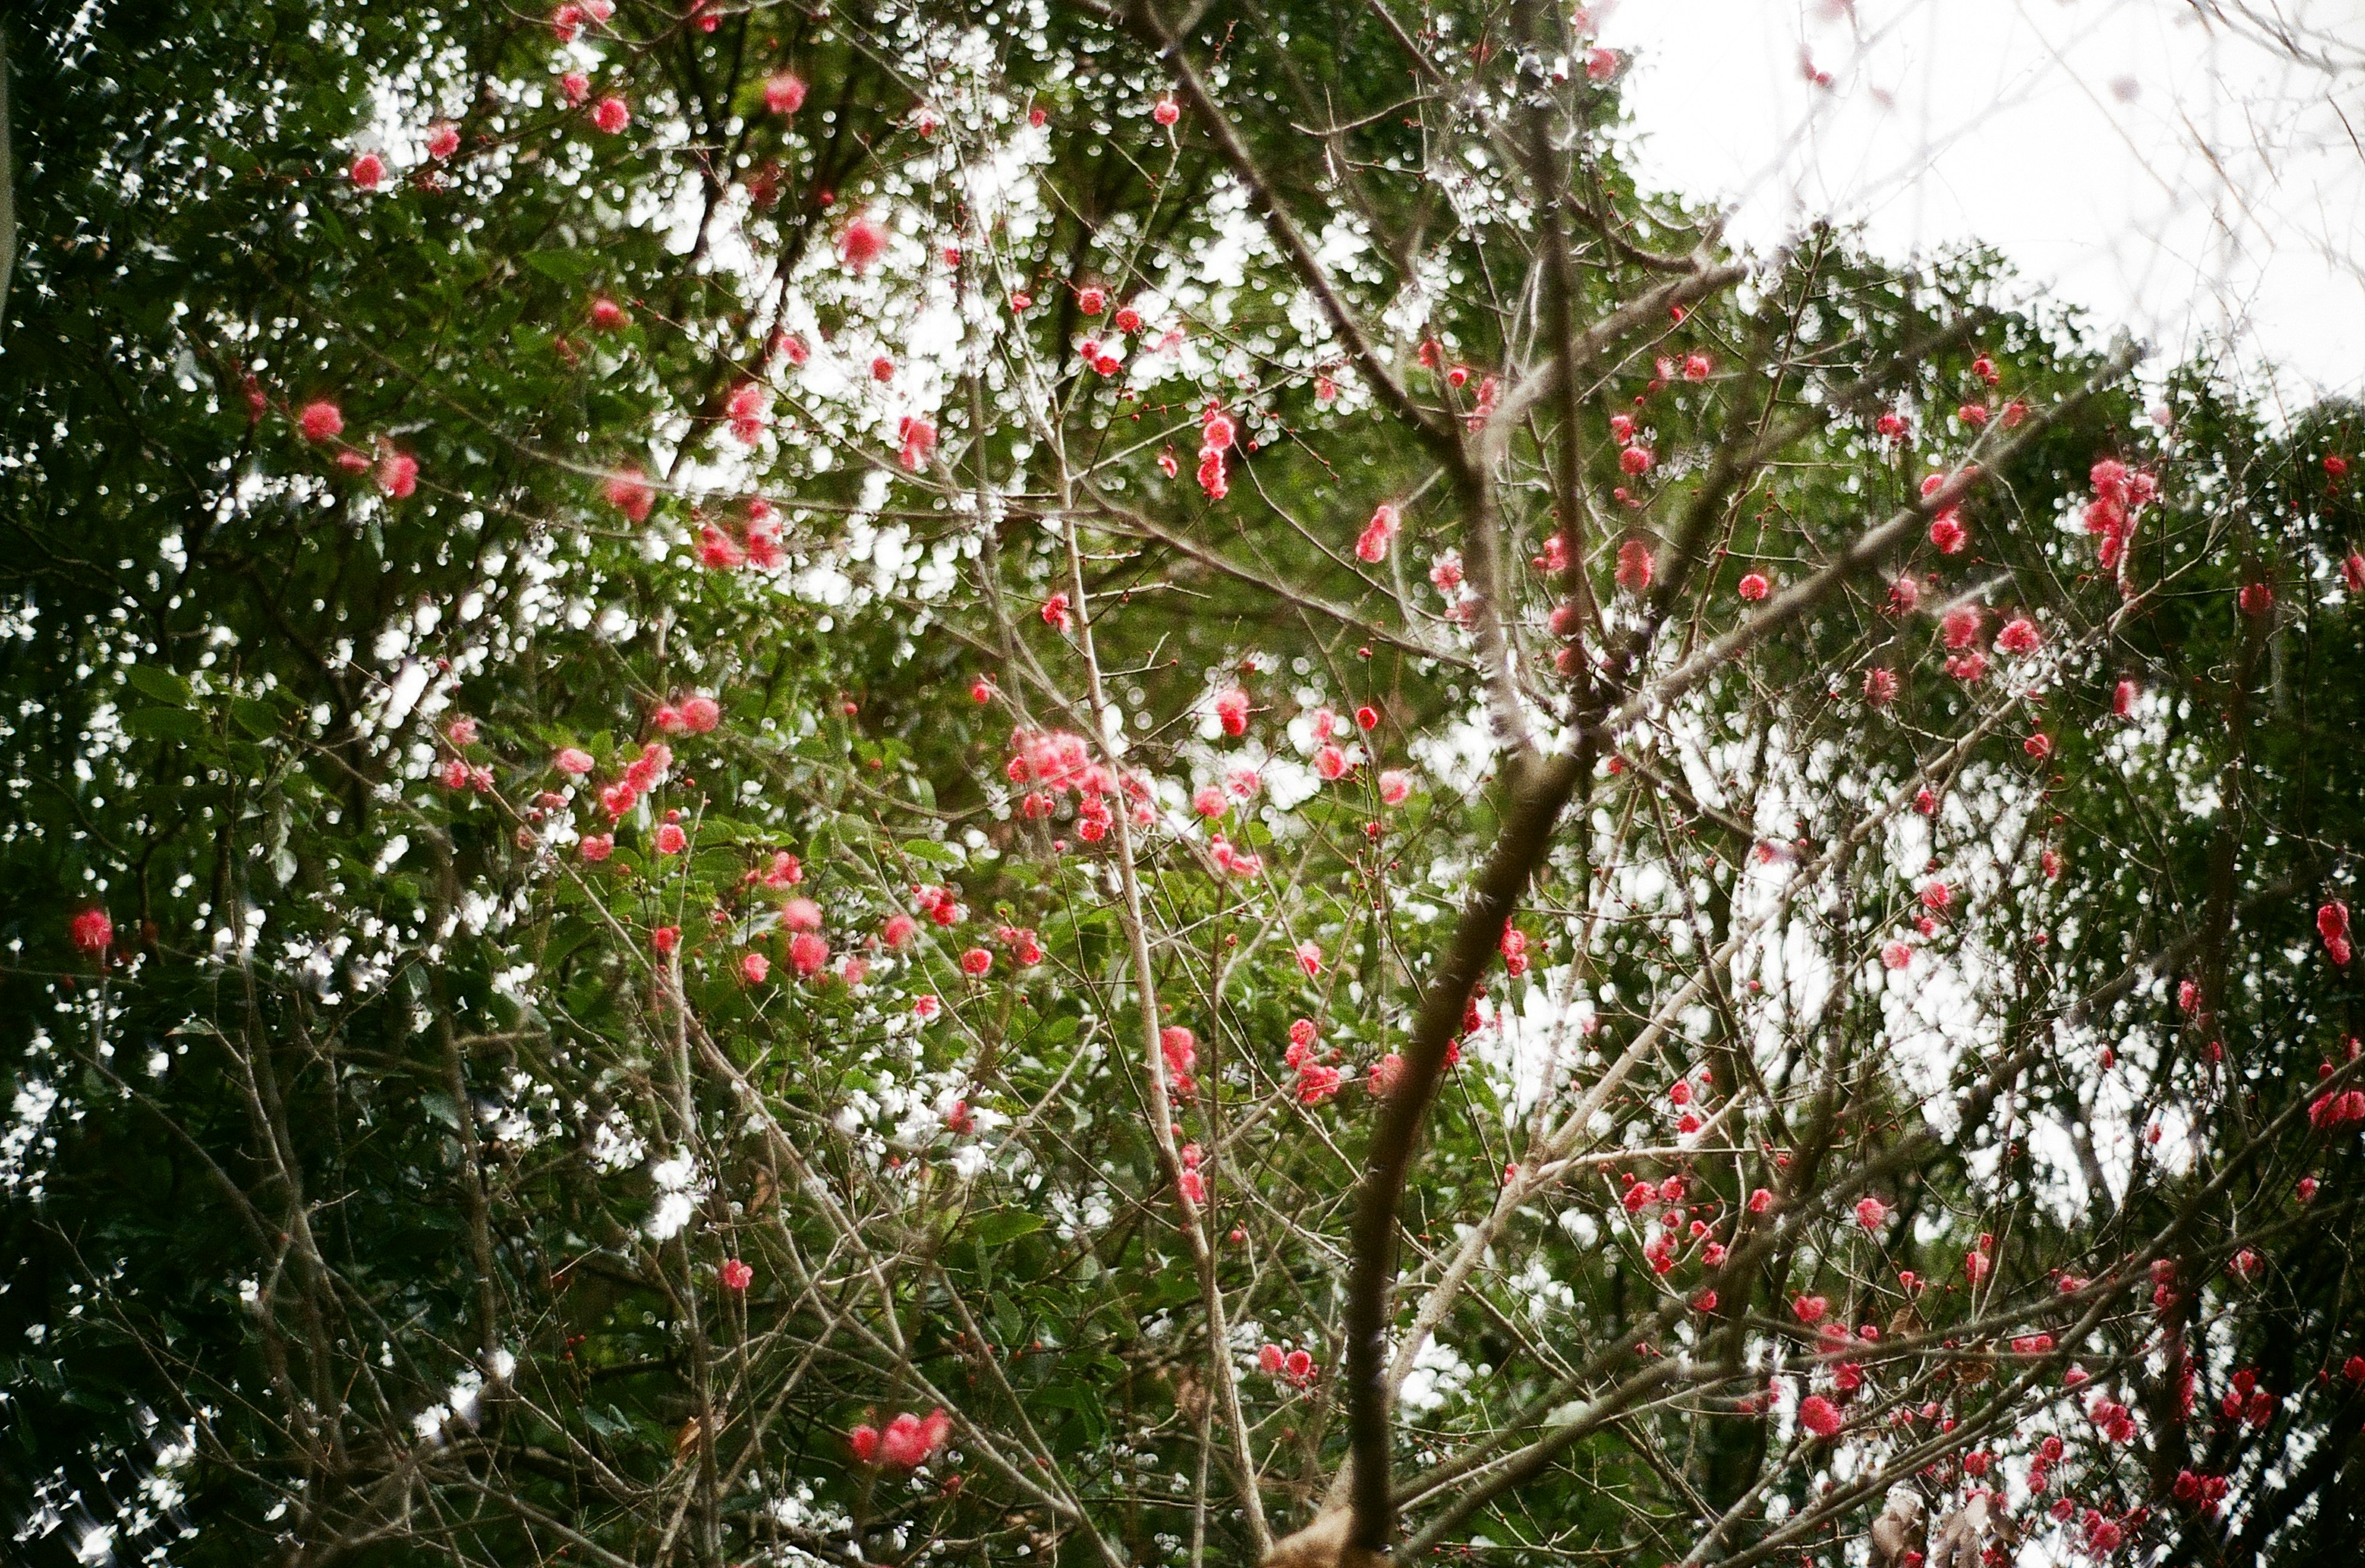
{"points": [[1128, 784]]}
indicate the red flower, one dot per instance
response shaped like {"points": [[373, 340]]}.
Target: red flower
{"points": [[91, 930], [1819, 1416], [862, 244], [320, 421], [735, 1275]]}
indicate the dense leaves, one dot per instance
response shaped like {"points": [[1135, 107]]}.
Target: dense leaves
{"points": [[749, 748]]}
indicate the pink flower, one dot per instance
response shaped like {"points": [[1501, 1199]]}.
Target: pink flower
{"points": [[1601, 65], [910, 1440], [1871, 1212], [717, 551], [1386, 1073], [700, 715], [862, 244], [807, 953], [1309, 959], [598, 846], [1896, 955], [1054, 613], [2018, 636], [975, 962], [1978, 1266], [671, 840], [91, 931], [1329, 763], [785, 93], [754, 968], [612, 113], [1947, 533], [2256, 599], [1879, 687], [665, 939], [900, 929], [1936, 895], [1760, 1201], [1378, 534], [443, 139], [749, 408], [1166, 111], [607, 316], [572, 759], [1819, 1416], [735, 1275], [1809, 1308], [1269, 1360], [397, 475], [1635, 459], [862, 1442], [629, 491], [320, 421], [801, 915], [1395, 785], [919, 439], [927, 1007], [576, 85], [1211, 474], [1634, 566], [368, 170], [1232, 711], [1209, 801]]}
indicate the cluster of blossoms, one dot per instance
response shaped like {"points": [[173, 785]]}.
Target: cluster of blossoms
{"points": [[1317, 1081], [1217, 433], [2119, 494], [1180, 1046], [2113, 1419], [2332, 924], [2335, 1111], [2197, 1490], [1298, 1366], [322, 423], [643, 775], [2248, 1402], [757, 544], [1059, 763], [908, 1442], [1193, 1184]]}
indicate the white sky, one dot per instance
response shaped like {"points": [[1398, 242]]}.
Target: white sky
{"points": [[2158, 161]]}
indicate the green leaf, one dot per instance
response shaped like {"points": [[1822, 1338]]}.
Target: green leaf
{"points": [[930, 851], [564, 267], [159, 684], [257, 719], [164, 724], [1006, 1225]]}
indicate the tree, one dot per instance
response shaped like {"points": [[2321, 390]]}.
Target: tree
{"points": [[1095, 783]]}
